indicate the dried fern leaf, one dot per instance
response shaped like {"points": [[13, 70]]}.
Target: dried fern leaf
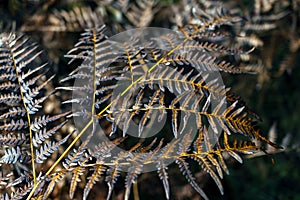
{"points": [[76, 20], [184, 168], [163, 175], [24, 89], [98, 171]]}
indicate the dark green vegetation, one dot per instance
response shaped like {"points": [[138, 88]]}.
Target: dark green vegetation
{"points": [[257, 42]]}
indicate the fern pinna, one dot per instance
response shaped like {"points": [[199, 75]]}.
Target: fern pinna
{"points": [[123, 89]]}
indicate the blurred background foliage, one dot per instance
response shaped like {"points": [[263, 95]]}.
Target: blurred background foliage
{"points": [[271, 26]]}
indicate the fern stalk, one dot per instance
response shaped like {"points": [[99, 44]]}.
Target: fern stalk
{"points": [[136, 191]]}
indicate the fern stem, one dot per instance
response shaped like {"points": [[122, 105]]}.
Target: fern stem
{"points": [[32, 192], [136, 195], [95, 73]]}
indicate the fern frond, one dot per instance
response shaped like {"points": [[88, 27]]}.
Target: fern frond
{"points": [[124, 82], [140, 13], [76, 20], [24, 82]]}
